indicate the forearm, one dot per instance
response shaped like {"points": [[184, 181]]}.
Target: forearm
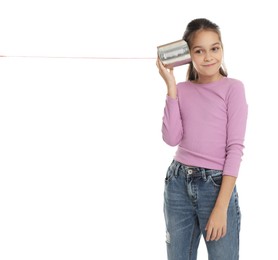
{"points": [[225, 193], [217, 223]]}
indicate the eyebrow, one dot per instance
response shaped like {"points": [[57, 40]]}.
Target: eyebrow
{"points": [[217, 43]]}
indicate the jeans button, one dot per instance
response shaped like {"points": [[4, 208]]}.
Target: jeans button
{"points": [[189, 171]]}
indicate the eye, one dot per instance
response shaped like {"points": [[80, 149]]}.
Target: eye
{"points": [[199, 51], [215, 49]]}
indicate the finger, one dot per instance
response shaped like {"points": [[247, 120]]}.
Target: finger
{"points": [[209, 232], [224, 232], [214, 234], [160, 65], [158, 61], [219, 234]]}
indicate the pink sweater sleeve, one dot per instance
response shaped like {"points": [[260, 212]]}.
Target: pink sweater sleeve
{"points": [[237, 110], [172, 131]]}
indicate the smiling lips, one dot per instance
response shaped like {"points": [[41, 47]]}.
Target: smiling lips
{"points": [[209, 65]]}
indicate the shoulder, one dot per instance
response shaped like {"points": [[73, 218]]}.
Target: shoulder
{"points": [[234, 84], [235, 90], [183, 85]]}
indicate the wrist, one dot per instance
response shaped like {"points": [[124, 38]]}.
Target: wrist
{"points": [[172, 90], [221, 206], [171, 84]]}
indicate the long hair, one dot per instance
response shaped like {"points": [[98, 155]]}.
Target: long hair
{"points": [[191, 29]]}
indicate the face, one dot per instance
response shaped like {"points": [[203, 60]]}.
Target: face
{"points": [[207, 54]]}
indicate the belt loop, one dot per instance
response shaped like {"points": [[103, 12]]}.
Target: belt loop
{"points": [[204, 175], [177, 169]]}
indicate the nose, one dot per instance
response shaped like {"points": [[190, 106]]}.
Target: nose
{"points": [[207, 57]]}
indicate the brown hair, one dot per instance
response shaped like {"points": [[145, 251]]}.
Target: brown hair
{"points": [[191, 29]]}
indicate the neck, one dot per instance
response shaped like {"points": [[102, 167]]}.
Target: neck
{"points": [[208, 79]]}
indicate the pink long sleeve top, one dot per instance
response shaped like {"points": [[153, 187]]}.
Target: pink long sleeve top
{"points": [[208, 123]]}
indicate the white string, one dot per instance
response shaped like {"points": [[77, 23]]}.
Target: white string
{"points": [[77, 57]]}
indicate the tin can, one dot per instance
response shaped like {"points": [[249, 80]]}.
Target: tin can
{"points": [[174, 54]]}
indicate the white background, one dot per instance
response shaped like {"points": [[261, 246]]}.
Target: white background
{"points": [[82, 162]]}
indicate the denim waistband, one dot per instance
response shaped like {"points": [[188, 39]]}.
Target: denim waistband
{"points": [[194, 171]]}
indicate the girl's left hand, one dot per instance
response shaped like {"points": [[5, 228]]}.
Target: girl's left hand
{"points": [[166, 74], [217, 224]]}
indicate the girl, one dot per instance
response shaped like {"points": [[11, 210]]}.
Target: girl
{"points": [[206, 117]]}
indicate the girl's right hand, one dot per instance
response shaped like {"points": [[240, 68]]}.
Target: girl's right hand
{"points": [[169, 78]]}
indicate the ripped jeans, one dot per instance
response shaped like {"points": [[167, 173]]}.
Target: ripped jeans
{"points": [[189, 197]]}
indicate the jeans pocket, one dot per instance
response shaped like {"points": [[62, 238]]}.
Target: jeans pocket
{"points": [[169, 175], [170, 172], [238, 211], [216, 178]]}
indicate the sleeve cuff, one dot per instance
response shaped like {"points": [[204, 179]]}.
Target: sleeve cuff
{"points": [[170, 99]]}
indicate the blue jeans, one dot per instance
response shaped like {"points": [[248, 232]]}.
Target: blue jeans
{"points": [[189, 197]]}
